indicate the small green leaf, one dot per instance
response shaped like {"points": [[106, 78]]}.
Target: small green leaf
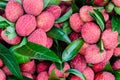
{"points": [[39, 52], [97, 15], [117, 76], [100, 44], [58, 34], [74, 7], [46, 3], [54, 2], [10, 23], [108, 67], [72, 49], [53, 76], [3, 24], [59, 66], [109, 8], [3, 4], [64, 17], [66, 27], [77, 73], [10, 61], [19, 1]]}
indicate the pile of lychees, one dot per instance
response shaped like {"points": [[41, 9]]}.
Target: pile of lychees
{"points": [[33, 21]]}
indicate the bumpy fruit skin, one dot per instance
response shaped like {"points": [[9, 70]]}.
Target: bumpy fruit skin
{"points": [[43, 66], [42, 76], [73, 36], [33, 7], [108, 25], [104, 76], [45, 21], [28, 67], [76, 22], [14, 41], [49, 42], [59, 73], [90, 32], [78, 62], [1, 63], [117, 52], [2, 75], [25, 25], [89, 74], [93, 55], [101, 2], [84, 13], [75, 78], [116, 2], [83, 48], [39, 37], [110, 39], [6, 71], [28, 75], [116, 65], [55, 10], [13, 11], [105, 15]]}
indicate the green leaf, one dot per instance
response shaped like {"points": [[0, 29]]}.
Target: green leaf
{"points": [[72, 49], [74, 7], [3, 4], [97, 15], [77, 73], [108, 67], [2, 19], [117, 76], [59, 66], [100, 44], [58, 34], [10, 61], [3, 24], [109, 8], [53, 76], [19, 1], [39, 52], [46, 3], [66, 27], [64, 17], [54, 2]]}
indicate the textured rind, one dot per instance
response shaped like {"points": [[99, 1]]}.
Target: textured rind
{"points": [[42, 76], [33, 7], [39, 37], [116, 2], [49, 42], [2, 75], [116, 65], [25, 25]]}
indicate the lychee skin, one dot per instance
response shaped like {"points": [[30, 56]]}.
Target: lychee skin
{"points": [[55, 10], [101, 2], [83, 48], [75, 78], [76, 22], [110, 39], [14, 41], [90, 32], [116, 2], [117, 51], [88, 73], [6, 71], [93, 54], [43, 66], [59, 73], [49, 42], [42, 76], [25, 25], [104, 76], [78, 62], [84, 13], [28, 67], [33, 7], [45, 21], [116, 65], [2, 75], [108, 25], [105, 15], [28, 75], [13, 11], [73, 36], [39, 37], [1, 63]]}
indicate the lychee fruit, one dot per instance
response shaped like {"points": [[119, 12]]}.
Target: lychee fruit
{"points": [[116, 65], [78, 62], [33, 7], [28, 75], [90, 32], [45, 21], [39, 37], [117, 51], [73, 36], [13, 10], [116, 2], [84, 13], [42, 76], [76, 22], [25, 25], [2, 75], [105, 15], [110, 39], [83, 48], [75, 78], [6, 71], [1, 63], [60, 74], [49, 42]]}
